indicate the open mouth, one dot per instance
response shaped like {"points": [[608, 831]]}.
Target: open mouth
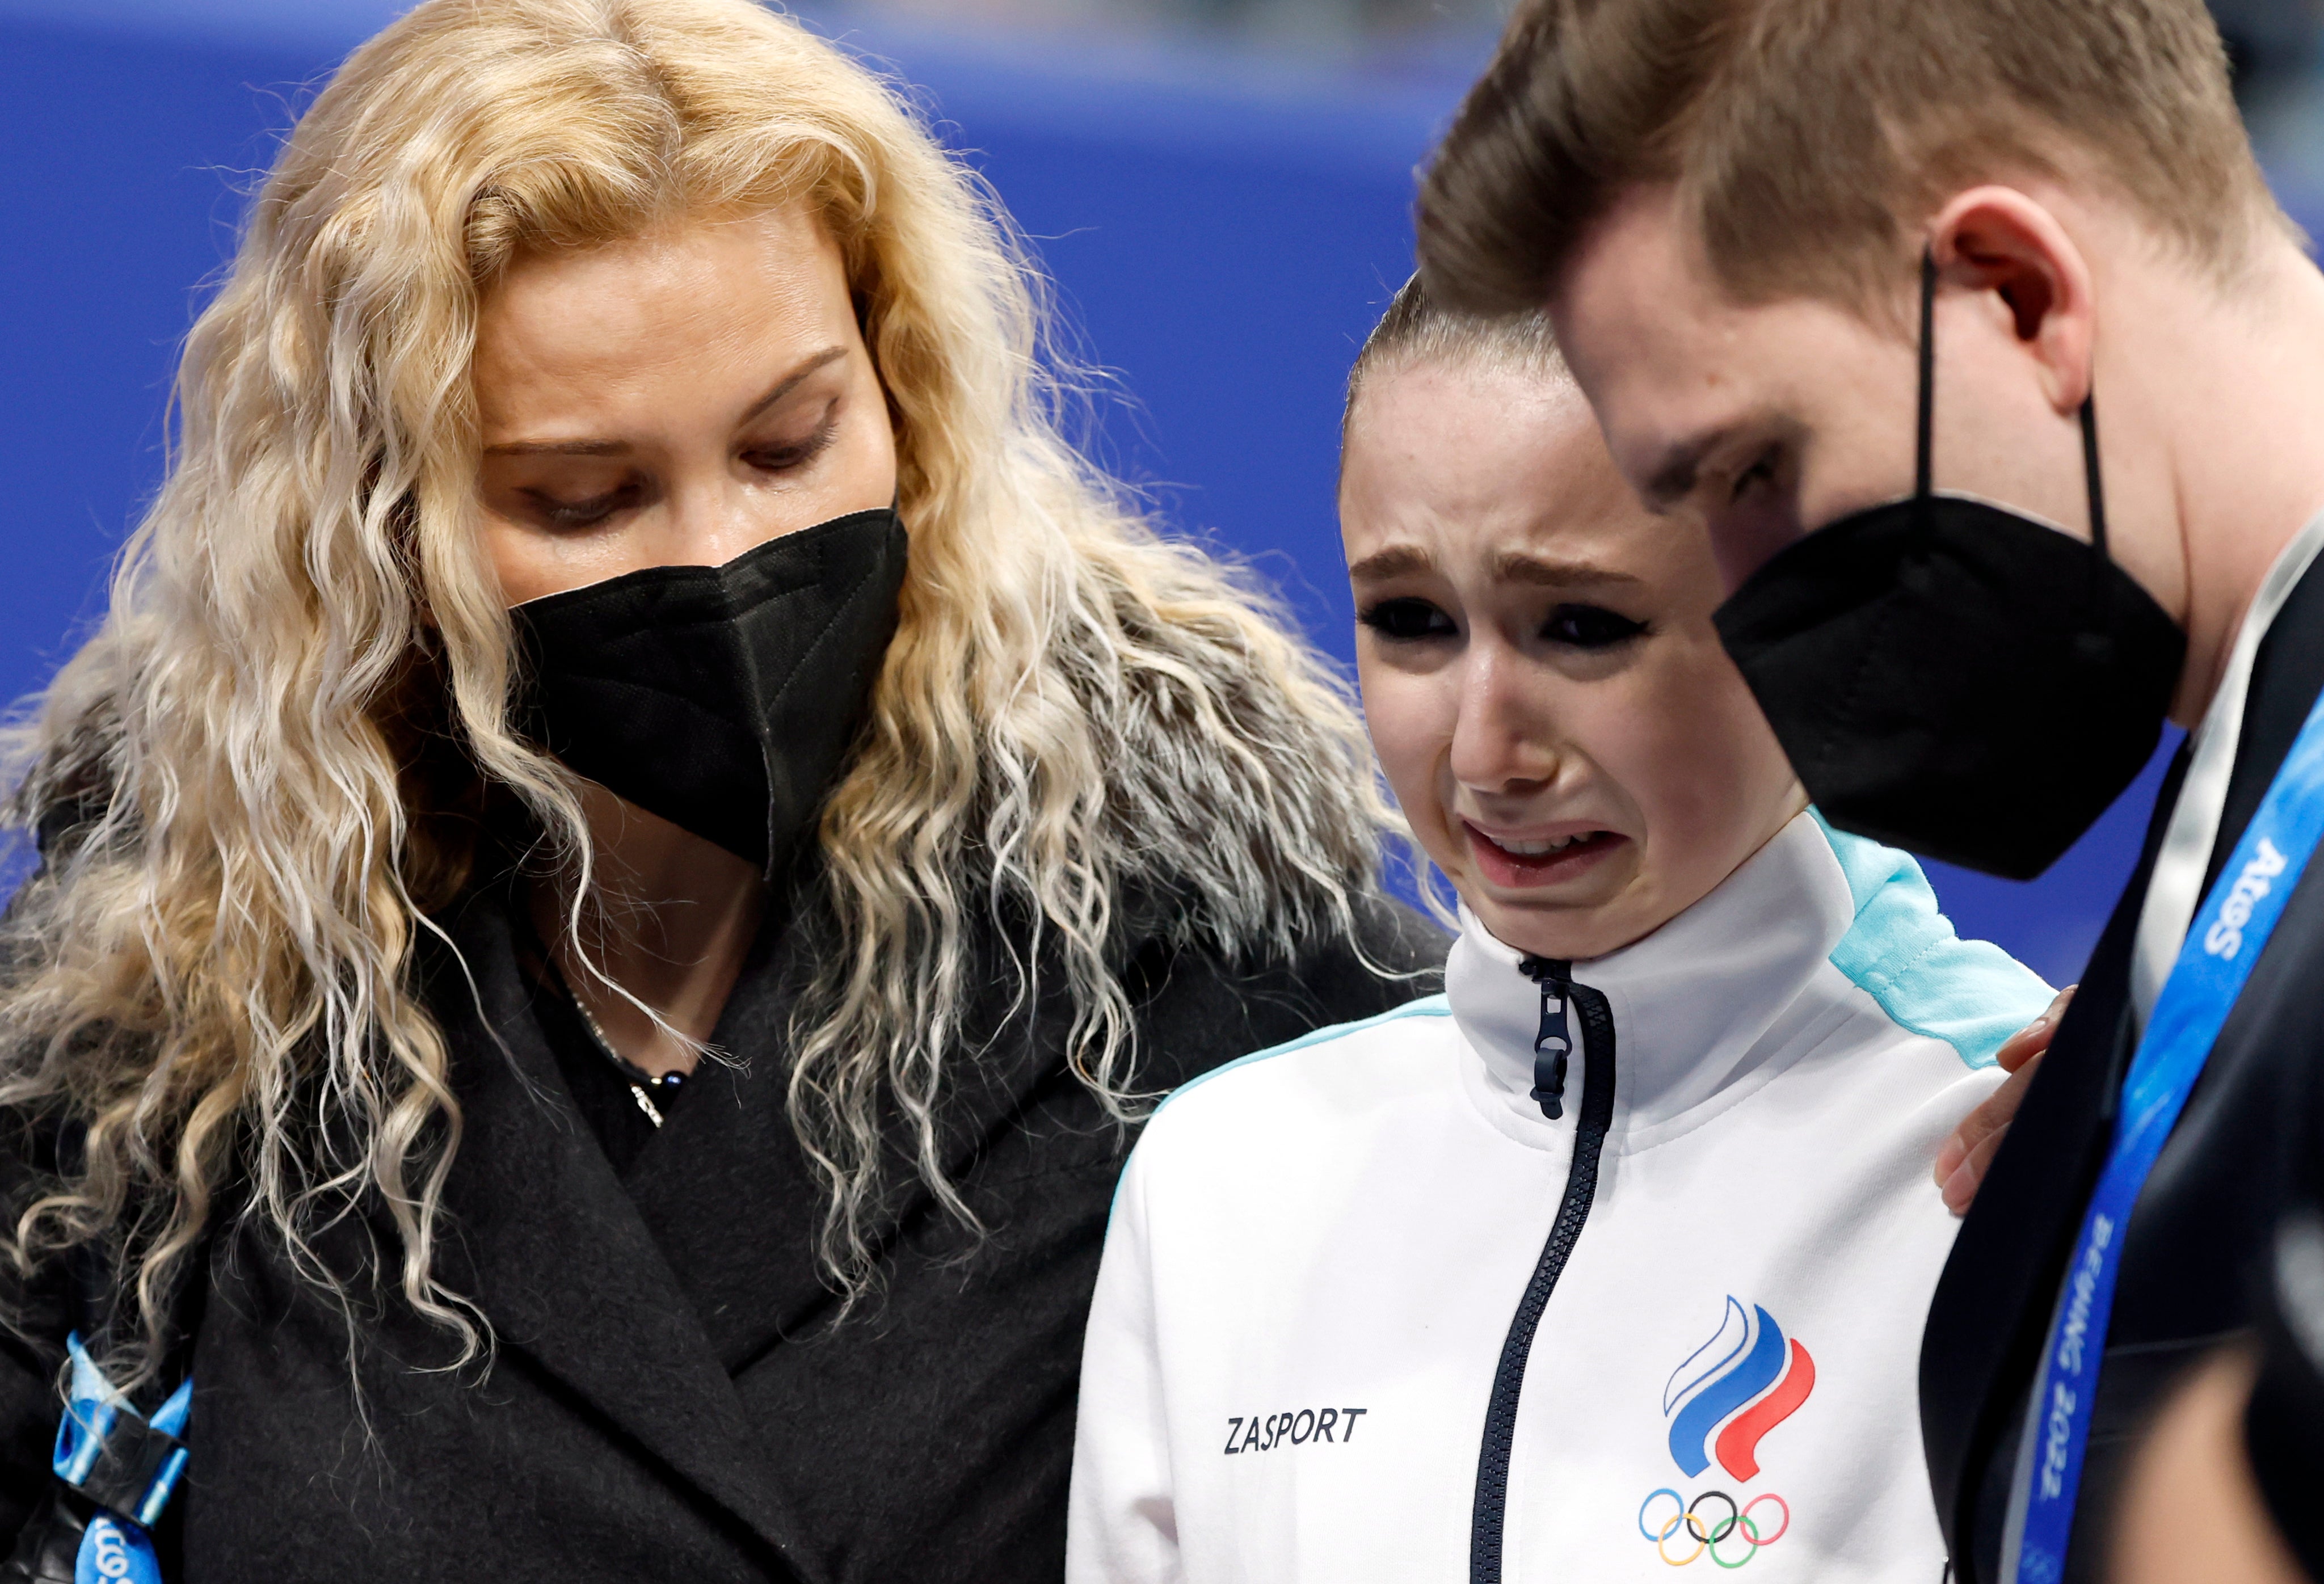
{"points": [[1510, 861]]}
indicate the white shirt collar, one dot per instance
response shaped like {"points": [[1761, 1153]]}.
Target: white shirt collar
{"points": [[1694, 1003]]}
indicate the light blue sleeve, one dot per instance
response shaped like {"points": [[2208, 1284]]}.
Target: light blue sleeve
{"points": [[1903, 952]]}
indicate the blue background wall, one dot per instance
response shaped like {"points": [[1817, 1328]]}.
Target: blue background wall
{"points": [[1221, 234]]}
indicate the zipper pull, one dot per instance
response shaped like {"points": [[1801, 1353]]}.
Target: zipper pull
{"points": [[1554, 1043]]}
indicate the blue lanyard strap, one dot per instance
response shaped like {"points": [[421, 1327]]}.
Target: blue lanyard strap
{"points": [[2227, 938], [125, 1463]]}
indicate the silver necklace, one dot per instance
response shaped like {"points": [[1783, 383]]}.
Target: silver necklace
{"points": [[641, 1082]]}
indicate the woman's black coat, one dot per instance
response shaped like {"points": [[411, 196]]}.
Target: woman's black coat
{"points": [[668, 1399]]}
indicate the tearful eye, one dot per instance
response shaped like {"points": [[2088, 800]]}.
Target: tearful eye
{"points": [[1590, 627], [1407, 620]]}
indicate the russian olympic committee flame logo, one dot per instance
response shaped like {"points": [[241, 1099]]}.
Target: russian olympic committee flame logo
{"points": [[1730, 1392]]}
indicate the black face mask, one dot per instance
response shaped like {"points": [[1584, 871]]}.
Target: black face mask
{"points": [[722, 698], [1955, 677]]}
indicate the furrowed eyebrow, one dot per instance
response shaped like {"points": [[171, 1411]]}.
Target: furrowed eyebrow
{"points": [[1396, 561], [783, 387], [1547, 571], [1507, 565]]}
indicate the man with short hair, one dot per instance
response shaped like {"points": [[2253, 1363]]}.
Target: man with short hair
{"points": [[1854, 280]]}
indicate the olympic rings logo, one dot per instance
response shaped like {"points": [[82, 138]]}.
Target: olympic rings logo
{"points": [[1708, 1528]]}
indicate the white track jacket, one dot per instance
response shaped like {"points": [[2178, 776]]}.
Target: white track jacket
{"points": [[1368, 1312]]}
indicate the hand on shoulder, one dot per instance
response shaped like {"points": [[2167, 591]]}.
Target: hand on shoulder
{"points": [[1961, 1163]]}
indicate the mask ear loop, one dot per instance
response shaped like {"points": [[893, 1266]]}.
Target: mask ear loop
{"points": [[2093, 644], [2090, 467], [1924, 486]]}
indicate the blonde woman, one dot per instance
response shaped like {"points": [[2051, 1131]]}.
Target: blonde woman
{"points": [[635, 821]]}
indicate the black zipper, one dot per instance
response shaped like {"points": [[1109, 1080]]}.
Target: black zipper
{"points": [[1553, 1041], [1558, 991]]}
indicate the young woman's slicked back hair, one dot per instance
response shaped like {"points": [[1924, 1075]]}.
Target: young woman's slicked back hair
{"points": [[1418, 330], [271, 763], [1807, 139]]}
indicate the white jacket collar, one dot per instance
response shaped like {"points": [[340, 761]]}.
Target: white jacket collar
{"points": [[1701, 1008]]}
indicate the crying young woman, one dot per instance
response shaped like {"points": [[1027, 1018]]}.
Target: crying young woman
{"points": [[1613, 1259], [635, 822]]}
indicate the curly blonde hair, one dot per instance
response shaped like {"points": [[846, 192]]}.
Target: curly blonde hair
{"points": [[263, 773]]}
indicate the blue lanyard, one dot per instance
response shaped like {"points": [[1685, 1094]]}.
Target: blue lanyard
{"points": [[126, 1464], [2227, 938]]}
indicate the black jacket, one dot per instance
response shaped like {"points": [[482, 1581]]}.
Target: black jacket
{"points": [[668, 1398], [2195, 1251]]}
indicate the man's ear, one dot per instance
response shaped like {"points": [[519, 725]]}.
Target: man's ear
{"points": [[1998, 240]]}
